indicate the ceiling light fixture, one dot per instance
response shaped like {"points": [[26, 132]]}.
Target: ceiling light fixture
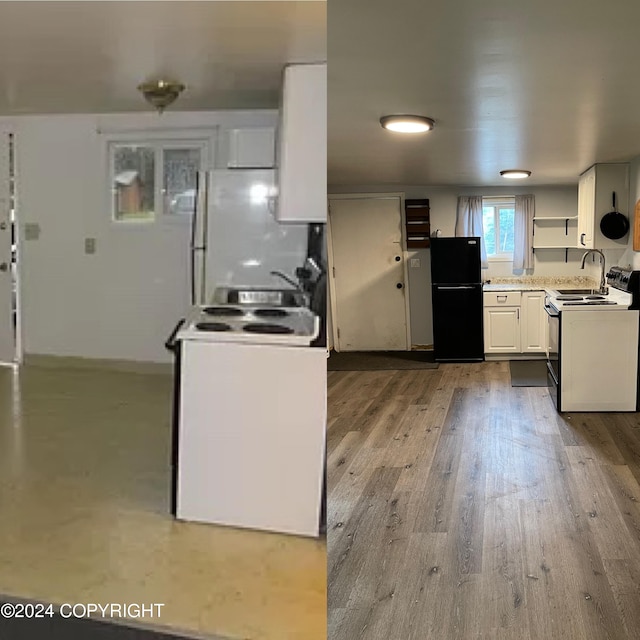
{"points": [[515, 174], [407, 124], [161, 93]]}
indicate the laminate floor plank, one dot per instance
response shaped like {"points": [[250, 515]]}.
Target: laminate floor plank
{"points": [[597, 437], [599, 508], [361, 533], [384, 560], [502, 561], [624, 578], [461, 508]]}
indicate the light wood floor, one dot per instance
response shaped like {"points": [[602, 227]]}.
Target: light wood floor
{"points": [[462, 508]]}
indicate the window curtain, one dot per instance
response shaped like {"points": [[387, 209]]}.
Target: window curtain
{"points": [[469, 223], [523, 232]]}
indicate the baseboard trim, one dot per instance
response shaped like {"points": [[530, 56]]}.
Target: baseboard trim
{"points": [[72, 362], [489, 357]]}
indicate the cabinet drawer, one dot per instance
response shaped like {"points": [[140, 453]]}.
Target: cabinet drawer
{"points": [[501, 299]]}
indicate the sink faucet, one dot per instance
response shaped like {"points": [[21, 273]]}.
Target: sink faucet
{"points": [[298, 287], [603, 288], [286, 278]]}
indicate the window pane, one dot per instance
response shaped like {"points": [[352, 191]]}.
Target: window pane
{"points": [[488, 225], [133, 182], [180, 168], [506, 230]]}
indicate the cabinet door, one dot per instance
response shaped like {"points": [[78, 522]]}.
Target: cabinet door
{"points": [[534, 322], [251, 148], [502, 329], [302, 158], [586, 208]]}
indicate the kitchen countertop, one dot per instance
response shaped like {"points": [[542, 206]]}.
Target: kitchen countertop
{"points": [[539, 283]]}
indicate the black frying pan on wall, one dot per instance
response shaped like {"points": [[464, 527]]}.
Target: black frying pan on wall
{"points": [[614, 225]]}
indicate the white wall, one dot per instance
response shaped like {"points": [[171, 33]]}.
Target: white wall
{"points": [[443, 201], [123, 301], [631, 257]]}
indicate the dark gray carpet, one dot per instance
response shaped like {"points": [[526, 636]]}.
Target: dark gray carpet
{"points": [[379, 360], [528, 373]]}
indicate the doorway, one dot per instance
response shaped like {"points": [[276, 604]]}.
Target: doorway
{"points": [[10, 352], [369, 295]]}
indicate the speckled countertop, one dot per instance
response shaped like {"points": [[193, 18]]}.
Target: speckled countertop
{"points": [[538, 283]]}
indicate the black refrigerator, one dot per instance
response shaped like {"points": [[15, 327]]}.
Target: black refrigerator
{"points": [[456, 290]]}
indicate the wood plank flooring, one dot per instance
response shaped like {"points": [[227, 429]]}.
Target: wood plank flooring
{"points": [[460, 507]]}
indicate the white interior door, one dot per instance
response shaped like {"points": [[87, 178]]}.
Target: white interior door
{"points": [[7, 264], [368, 274]]}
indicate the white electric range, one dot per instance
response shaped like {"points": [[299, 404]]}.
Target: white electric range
{"points": [[592, 357], [613, 300], [250, 418], [250, 324]]}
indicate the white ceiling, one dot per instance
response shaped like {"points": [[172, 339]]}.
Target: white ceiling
{"points": [[547, 85], [85, 57]]}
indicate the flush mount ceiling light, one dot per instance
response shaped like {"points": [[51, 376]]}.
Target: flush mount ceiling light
{"points": [[161, 93], [407, 124], [515, 174]]}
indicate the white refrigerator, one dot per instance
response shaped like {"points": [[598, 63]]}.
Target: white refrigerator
{"points": [[235, 239]]}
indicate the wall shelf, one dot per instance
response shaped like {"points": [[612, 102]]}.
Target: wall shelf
{"points": [[549, 236], [417, 223], [555, 217], [563, 247]]}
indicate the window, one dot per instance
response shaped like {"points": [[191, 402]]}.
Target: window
{"points": [[497, 223], [154, 178]]}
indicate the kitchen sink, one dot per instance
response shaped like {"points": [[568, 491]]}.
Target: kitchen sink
{"points": [[270, 297]]}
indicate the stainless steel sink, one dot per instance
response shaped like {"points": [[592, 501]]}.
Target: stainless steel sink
{"points": [[270, 297]]}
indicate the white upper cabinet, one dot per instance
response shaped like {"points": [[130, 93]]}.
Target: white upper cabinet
{"points": [[302, 145], [595, 189], [252, 148]]}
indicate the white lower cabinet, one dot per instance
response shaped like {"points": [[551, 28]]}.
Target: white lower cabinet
{"points": [[502, 330], [534, 325], [515, 322]]}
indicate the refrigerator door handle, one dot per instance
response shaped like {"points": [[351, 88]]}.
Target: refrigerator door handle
{"points": [[198, 243]]}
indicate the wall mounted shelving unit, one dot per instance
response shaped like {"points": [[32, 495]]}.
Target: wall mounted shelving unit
{"points": [[553, 240]]}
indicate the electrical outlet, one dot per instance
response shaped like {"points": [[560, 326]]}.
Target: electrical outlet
{"points": [[415, 263], [89, 246]]}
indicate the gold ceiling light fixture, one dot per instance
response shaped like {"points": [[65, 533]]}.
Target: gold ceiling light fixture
{"points": [[161, 93], [407, 123], [515, 174]]}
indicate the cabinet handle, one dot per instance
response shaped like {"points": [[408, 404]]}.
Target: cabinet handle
{"points": [[501, 298], [582, 235], [518, 313]]}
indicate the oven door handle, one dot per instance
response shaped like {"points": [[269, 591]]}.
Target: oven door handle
{"points": [[171, 342]]}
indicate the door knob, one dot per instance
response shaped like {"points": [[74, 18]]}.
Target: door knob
{"points": [[3, 225], [399, 285], [398, 258], [4, 266]]}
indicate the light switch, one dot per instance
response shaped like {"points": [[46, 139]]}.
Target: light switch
{"points": [[415, 263], [89, 245], [31, 230]]}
